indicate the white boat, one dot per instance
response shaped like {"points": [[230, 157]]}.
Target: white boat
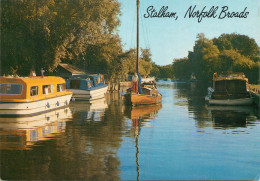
{"points": [[229, 89], [87, 87], [148, 79], [27, 96]]}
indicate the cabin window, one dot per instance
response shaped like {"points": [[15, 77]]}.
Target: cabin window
{"points": [[47, 89], [11, 89], [96, 81], [75, 84], [89, 84], [61, 87], [34, 91]]}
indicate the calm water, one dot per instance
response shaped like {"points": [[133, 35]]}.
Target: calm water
{"points": [[180, 139]]}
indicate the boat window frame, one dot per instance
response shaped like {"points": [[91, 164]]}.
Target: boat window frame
{"points": [[31, 90], [50, 87], [89, 82], [96, 81], [21, 85], [62, 86]]}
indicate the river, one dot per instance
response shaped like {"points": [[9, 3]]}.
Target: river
{"points": [[180, 139]]}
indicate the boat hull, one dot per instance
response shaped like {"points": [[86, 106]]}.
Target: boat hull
{"points": [[20, 109], [89, 94], [232, 102], [142, 99]]}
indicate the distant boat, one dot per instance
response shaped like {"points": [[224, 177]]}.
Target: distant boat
{"points": [[87, 87], [148, 93], [148, 79], [144, 79], [27, 96], [229, 89]]}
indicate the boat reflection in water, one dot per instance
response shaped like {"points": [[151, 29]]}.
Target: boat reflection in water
{"points": [[145, 113], [23, 132], [224, 117], [141, 116], [89, 110]]}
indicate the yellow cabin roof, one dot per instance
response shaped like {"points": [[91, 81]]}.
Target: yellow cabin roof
{"points": [[32, 81]]}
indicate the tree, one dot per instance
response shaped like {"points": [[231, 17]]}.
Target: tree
{"points": [[43, 33], [204, 58], [146, 55], [241, 43], [155, 70], [182, 68], [229, 52]]}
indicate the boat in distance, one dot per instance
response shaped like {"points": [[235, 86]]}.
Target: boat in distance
{"points": [[26, 96], [87, 87], [230, 89]]}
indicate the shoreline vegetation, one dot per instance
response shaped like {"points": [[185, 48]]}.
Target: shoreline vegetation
{"points": [[41, 34]]}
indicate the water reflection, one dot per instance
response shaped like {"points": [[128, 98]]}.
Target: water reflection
{"points": [[24, 132], [87, 149], [230, 117], [141, 116], [191, 95], [89, 111], [105, 140]]}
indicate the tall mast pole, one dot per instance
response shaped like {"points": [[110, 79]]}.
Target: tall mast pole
{"points": [[137, 37]]}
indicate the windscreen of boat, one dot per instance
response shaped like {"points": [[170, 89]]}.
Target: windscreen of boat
{"points": [[11, 89], [75, 84], [232, 86]]}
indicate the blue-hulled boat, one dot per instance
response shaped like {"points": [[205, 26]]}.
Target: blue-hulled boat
{"points": [[87, 87]]}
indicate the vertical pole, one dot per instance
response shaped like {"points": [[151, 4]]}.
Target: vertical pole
{"points": [[137, 37]]}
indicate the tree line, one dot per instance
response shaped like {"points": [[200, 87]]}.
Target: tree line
{"points": [[228, 52], [40, 34]]}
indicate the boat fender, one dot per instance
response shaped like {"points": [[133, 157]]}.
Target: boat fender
{"points": [[58, 103], [48, 105]]}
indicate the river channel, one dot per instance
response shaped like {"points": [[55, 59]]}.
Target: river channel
{"points": [[180, 139]]}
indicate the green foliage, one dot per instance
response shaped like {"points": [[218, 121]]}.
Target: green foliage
{"points": [[155, 70], [146, 55], [241, 43], [145, 67], [229, 52], [182, 68], [42, 33]]}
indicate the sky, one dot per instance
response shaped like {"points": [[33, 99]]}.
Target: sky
{"points": [[170, 39]]}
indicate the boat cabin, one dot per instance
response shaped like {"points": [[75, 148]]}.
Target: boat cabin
{"points": [[233, 85], [26, 89], [85, 82]]}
